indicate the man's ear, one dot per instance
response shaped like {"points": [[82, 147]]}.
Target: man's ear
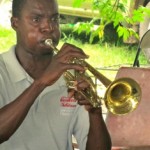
{"points": [[14, 23]]}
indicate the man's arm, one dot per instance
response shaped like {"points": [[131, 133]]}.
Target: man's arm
{"points": [[98, 136], [13, 114]]}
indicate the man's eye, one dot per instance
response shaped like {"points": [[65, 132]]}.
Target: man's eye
{"points": [[36, 19], [55, 19]]}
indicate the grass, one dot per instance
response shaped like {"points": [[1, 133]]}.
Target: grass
{"points": [[104, 57]]}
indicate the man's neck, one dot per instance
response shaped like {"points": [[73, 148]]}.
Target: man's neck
{"points": [[33, 64]]}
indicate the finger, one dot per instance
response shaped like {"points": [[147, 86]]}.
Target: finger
{"points": [[72, 51], [71, 93], [82, 85], [88, 107], [67, 46], [79, 95], [84, 102], [66, 66]]}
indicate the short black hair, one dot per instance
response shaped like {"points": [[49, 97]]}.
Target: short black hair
{"points": [[146, 2], [17, 6]]}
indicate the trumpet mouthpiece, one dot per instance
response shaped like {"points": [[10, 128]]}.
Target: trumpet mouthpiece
{"points": [[48, 42]]}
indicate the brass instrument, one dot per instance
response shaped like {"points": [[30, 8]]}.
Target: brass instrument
{"points": [[122, 95]]}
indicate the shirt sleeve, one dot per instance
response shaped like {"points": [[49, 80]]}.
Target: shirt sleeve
{"points": [[2, 95]]}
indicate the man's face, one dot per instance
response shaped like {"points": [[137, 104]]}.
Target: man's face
{"points": [[38, 21]]}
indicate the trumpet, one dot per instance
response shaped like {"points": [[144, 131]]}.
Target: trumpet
{"points": [[122, 96]]}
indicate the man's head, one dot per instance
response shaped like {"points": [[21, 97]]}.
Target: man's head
{"points": [[34, 21], [17, 7]]}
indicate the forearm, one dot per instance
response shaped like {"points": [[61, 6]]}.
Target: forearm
{"points": [[13, 114], [98, 137]]}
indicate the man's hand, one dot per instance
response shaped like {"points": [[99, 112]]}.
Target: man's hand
{"points": [[82, 96], [61, 62]]}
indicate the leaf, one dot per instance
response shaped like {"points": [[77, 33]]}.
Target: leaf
{"points": [[77, 3], [116, 12]]}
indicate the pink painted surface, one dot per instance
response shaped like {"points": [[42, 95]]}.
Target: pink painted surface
{"points": [[133, 129]]}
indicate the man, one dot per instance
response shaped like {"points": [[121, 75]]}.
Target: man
{"points": [[36, 112]]}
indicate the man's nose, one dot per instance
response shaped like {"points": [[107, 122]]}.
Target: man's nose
{"points": [[47, 26]]}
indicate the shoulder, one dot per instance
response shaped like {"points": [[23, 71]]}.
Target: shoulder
{"points": [[6, 57], [2, 65]]}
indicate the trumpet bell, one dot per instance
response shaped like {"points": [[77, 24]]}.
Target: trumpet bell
{"points": [[122, 96]]}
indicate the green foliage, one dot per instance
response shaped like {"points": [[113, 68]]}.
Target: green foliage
{"points": [[116, 12], [78, 3], [7, 39], [126, 32]]}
